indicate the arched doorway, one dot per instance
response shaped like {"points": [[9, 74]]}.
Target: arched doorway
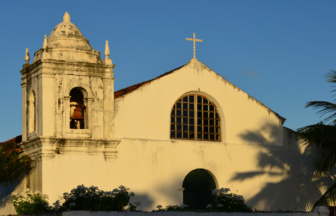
{"points": [[198, 186]]}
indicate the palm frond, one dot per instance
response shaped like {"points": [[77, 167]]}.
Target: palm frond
{"points": [[328, 198], [331, 76], [326, 107], [320, 134]]}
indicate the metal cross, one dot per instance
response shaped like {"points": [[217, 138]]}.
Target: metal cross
{"points": [[194, 40]]}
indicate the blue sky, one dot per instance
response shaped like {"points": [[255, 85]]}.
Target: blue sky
{"points": [[276, 51]]}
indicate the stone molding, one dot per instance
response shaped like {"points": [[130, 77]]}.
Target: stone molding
{"points": [[47, 148]]}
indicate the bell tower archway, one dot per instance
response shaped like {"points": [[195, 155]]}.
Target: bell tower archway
{"points": [[198, 186]]}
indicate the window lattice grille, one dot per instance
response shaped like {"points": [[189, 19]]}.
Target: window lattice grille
{"points": [[195, 117]]}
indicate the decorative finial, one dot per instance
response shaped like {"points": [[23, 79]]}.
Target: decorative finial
{"points": [[45, 43], [66, 17], [107, 60], [107, 50], [27, 56], [194, 40]]}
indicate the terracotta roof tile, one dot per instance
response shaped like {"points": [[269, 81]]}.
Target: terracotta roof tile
{"points": [[120, 93]]}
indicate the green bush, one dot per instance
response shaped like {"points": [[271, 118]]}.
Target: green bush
{"points": [[83, 198], [229, 202], [30, 203]]}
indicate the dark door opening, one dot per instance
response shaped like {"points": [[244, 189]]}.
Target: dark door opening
{"points": [[198, 186]]}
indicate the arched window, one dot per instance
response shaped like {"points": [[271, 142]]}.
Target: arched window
{"points": [[77, 109], [31, 112], [194, 117]]}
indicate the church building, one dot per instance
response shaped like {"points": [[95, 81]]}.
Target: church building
{"points": [[171, 140]]}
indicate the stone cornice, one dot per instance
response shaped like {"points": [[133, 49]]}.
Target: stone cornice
{"points": [[48, 147]]}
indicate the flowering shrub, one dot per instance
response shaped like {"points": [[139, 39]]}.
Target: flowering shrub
{"points": [[83, 198], [29, 203], [183, 207], [229, 202]]}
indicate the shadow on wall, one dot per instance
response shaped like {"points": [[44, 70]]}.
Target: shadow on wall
{"points": [[5, 193], [298, 189], [144, 199]]}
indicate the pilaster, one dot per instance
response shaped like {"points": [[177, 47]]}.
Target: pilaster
{"points": [[24, 111]]}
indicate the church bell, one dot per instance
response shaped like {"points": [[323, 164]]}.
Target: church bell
{"points": [[77, 114]]}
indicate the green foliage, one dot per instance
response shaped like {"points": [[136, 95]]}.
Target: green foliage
{"points": [[321, 140], [30, 203], [83, 198], [13, 166], [229, 202]]}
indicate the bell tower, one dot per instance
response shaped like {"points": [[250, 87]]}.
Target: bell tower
{"points": [[67, 96]]}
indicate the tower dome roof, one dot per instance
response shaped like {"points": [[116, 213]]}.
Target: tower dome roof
{"points": [[66, 42]]}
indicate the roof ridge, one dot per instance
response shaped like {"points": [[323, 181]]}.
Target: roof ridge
{"points": [[120, 93]]}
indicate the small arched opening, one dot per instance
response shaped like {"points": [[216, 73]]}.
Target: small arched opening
{"points": [[198, 186], [31, 112], [77, 108]]}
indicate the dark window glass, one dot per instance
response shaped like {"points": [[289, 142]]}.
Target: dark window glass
{"points": [[205, 107], [208, 121], [205, 121], [205, 115]]}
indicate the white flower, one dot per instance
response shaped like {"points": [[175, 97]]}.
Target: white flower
{"points": [[219, 205], [209, 206], [14, 193], [37, 192], [81, 194], [27, 190], [137, 203], [72, 204], [184, 206], [214, 192], [72, 197], [159, 206]]}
